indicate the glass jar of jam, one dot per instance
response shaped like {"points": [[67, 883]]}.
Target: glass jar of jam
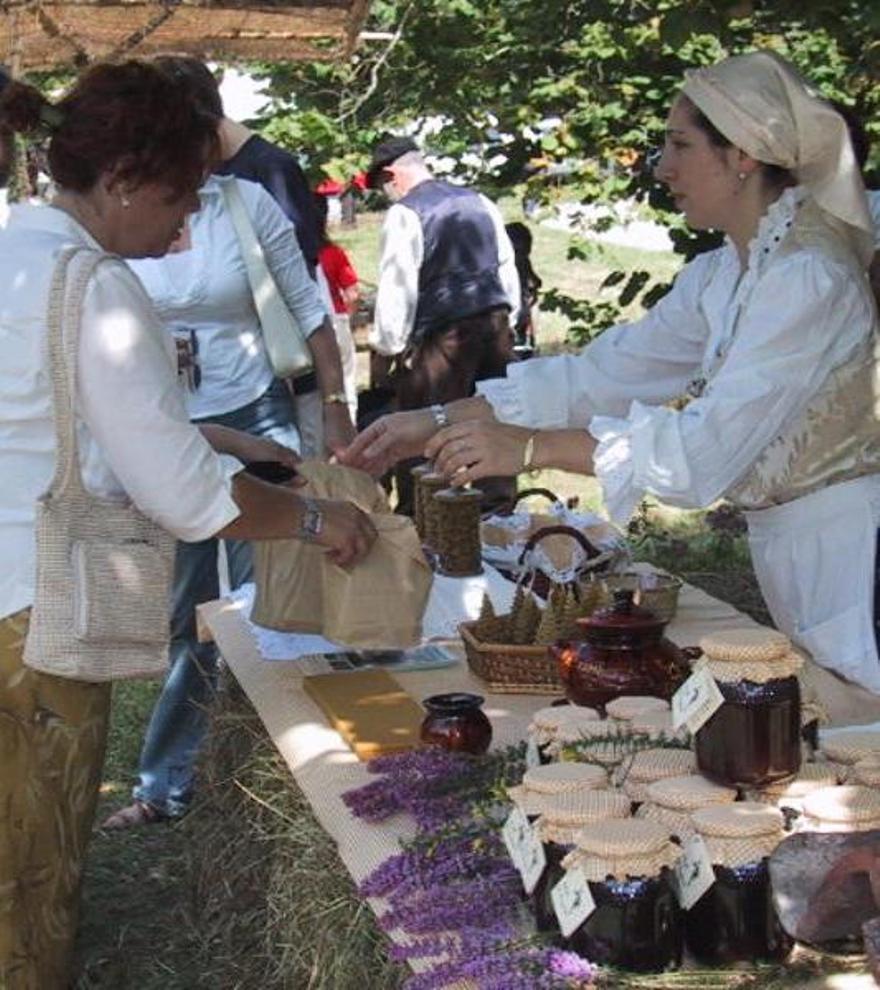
{"points": [[637, 923], [846, 808], [650, 765], [753, 739], [735, 919], [546, 723], [671, 801], [562, 817]]}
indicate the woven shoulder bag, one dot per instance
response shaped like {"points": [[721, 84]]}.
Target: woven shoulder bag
{"points": [[104, 569]]}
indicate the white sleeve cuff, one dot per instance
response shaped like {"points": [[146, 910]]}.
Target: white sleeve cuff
{"points": [[505, 398], [613, 466]]}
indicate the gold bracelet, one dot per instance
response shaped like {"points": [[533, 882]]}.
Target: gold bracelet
{"points": [[529, 453]]}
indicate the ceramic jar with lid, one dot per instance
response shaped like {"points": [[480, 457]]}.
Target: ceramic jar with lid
{"points": [[561, 819], [650, 765], [637, 923], [735, 919], [547, 722], [672, 801], [622, 652], [753, 739], [846, 808]]}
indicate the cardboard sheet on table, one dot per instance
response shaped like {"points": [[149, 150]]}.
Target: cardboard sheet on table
{"points": [[369, 709]]}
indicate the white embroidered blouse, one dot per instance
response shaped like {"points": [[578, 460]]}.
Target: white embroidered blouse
{"points": [[767, 350]]}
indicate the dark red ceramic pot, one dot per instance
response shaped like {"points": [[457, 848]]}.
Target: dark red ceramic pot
{"points": [[456, 722], [623, 652]]}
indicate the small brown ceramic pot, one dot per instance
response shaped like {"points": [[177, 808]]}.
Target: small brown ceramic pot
{"points": [[455, 721]]}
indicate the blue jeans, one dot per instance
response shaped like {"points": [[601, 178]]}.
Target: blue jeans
{"points": [[177, 725]]}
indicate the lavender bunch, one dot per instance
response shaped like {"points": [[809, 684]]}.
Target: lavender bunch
{"points": [[511, 968], [432, 784]]}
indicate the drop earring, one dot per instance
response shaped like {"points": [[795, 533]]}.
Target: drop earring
{"points": [[126, 202], [742, 176]]}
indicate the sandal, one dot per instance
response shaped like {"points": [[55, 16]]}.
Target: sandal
{"points": [[134, 815]]}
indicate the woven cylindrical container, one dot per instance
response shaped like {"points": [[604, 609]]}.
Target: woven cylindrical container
{"points": [[417, 473], [628, 707], [846, 808], [735, 920], [456, 518], [430, 483], [649, 765], [637, 923], [672, 801], [753, 739]]}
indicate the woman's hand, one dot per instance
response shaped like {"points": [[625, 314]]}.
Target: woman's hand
{"points": [[339, 431], [476, 449], [389, 440], [346, 532]]}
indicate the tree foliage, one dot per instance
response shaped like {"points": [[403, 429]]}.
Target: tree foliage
{"points": [[517, 92]]}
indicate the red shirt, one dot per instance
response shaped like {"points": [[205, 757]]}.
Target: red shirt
{"points": [[340, 273]]}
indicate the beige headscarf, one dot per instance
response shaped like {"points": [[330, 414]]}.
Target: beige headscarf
{"points": [[763, 106]]}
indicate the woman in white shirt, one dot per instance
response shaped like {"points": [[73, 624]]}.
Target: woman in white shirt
{"points": [[202, 295], [773, 335], [128, 151]]}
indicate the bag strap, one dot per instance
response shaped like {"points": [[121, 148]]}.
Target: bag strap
{"points": [[66, 296], [260, 279]]}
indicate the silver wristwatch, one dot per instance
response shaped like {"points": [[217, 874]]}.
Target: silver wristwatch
{"points": [[312, 521]]}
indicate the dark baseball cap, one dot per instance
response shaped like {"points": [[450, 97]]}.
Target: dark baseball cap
{"points": [[386, 153]]}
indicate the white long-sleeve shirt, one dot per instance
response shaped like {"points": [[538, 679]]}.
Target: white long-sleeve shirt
{"points": [[133, 431], [402, 251], [765, 340], [205, 289]]}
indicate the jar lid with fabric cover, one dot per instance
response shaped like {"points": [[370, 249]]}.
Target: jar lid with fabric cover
{"points": [[851, 747], [757, 655], [649, 765], [546, 722], [629, 706], [846, 808], [657, 725], [564, 815], [557, 778], [671, 801], [866, 772], [739, 833], [612, 739], [621, 849], [812, 777]]}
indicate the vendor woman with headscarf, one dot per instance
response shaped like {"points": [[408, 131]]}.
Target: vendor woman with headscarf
{"points": [[773, 335]]}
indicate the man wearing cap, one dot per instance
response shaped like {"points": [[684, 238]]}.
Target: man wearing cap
{"points": [[448, 286]]}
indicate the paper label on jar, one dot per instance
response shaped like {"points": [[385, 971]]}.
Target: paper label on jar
{"points": [[534, 861], [696, 701], [693, 870], [533, 755], [515, 834], [572, 901]]}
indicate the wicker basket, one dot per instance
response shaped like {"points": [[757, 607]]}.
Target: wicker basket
{"points": [[508, 668]]}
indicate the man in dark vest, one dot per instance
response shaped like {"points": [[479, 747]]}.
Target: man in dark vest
{"points": [[448, 289]]}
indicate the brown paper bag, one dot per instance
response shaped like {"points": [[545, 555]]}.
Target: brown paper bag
{"points": [[377, 604]]}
